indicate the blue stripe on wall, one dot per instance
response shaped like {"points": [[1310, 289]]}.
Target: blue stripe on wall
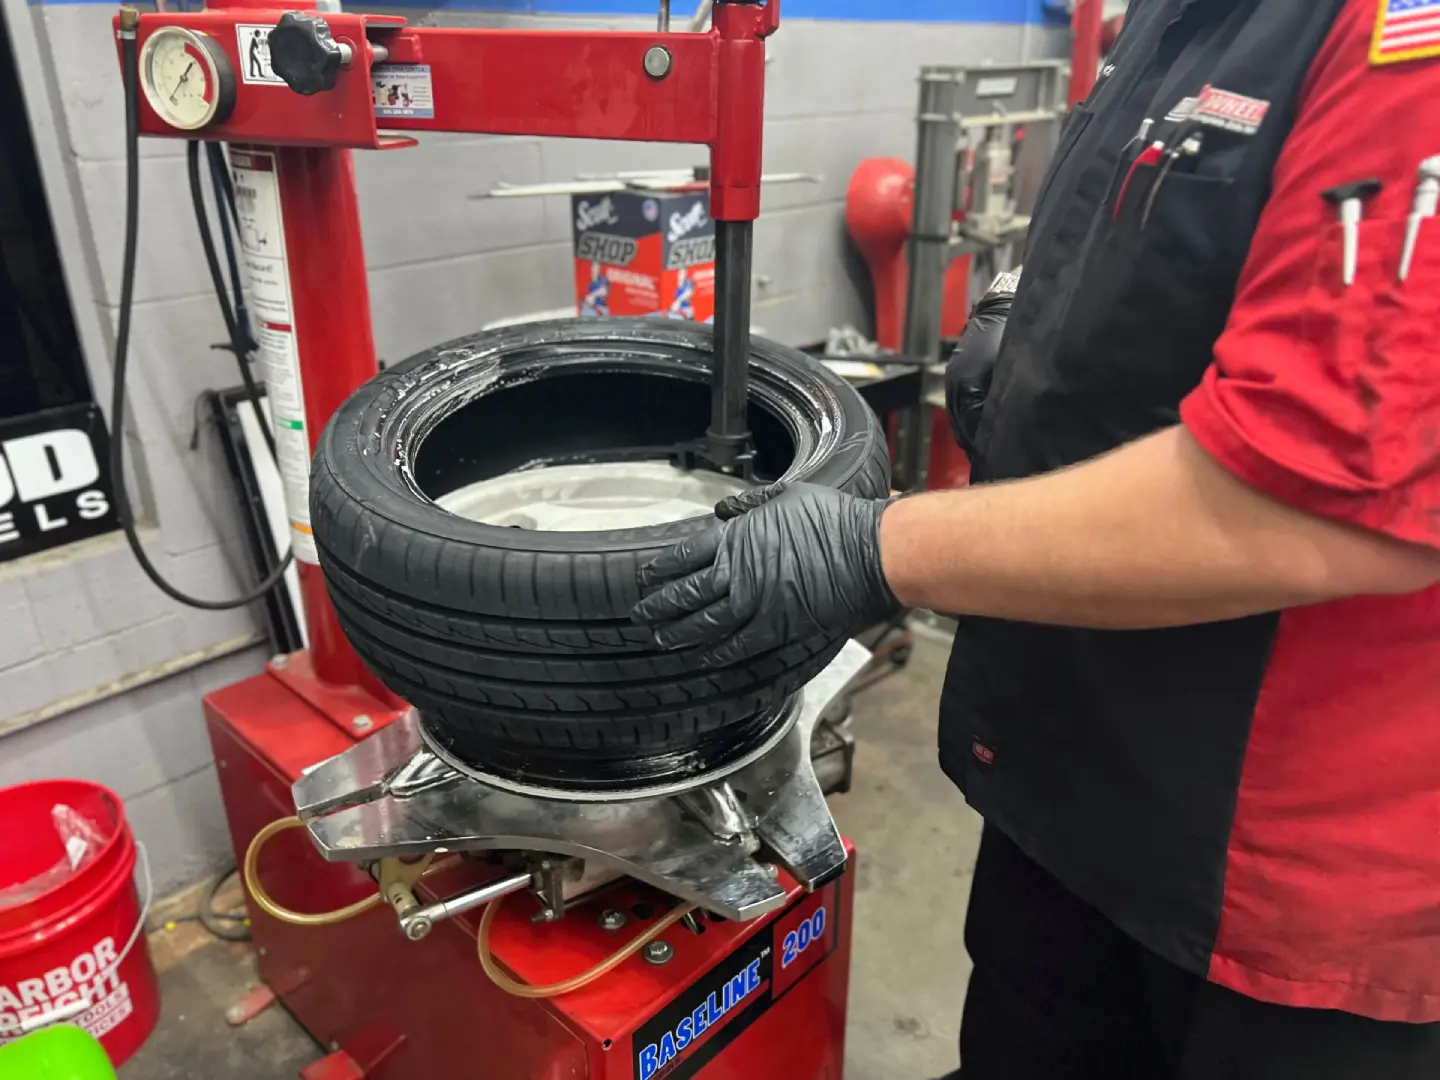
{"points": [[1012, 12]]}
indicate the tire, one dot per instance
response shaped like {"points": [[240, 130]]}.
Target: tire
{"points": [[516, 644]]}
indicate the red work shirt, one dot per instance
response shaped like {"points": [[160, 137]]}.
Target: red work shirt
{"points": [[1328, 398]]}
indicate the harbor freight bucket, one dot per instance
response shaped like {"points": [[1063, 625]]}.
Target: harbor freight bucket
{"points": [[72, 947]]}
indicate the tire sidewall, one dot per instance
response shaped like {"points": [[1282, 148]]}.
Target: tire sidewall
{"points": [[345, 458]]}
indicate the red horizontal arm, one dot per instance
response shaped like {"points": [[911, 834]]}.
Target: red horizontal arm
{"points": [[559, 82], [583, 84]]}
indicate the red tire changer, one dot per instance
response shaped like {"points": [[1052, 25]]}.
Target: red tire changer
{"points": [[751, 982]]}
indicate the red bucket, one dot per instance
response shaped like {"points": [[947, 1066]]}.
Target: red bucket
{"points": [[73, 952]]}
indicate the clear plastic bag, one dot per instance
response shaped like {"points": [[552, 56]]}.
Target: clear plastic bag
{"points": [[82, 841]]}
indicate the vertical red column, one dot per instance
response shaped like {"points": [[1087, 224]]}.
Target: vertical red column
{"points": [[1086, 23], [331, 301]]}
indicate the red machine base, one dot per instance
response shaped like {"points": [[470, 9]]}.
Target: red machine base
{"points": [[737, 1001]]}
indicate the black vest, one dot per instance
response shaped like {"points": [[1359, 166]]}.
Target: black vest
{"points": [[1113, 758]]}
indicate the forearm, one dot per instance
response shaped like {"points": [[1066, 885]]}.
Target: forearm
{"points": [[1154, 534]]}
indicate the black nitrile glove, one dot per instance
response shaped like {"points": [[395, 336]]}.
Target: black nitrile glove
{"points": [[783, 563], [967, 375]]}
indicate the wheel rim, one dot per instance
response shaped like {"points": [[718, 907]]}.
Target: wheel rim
{"points": [[591, 498]]}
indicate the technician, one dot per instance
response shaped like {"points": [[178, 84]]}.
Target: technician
{"points": [[1195, 691]]}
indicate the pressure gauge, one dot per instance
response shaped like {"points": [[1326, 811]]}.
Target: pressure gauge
{"points": [[187, 78]]}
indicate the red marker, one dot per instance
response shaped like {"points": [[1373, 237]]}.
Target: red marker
{"points": [[1149, 156]]}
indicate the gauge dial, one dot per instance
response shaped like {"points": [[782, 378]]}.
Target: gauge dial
{"points": [[187, 78]]}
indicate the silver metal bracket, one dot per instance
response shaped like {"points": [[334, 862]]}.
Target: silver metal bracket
{"points": [[390, 796]]}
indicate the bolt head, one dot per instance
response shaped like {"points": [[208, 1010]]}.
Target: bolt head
{"points": [[611, 919], [417, 929], [658, 952], [279, 660], [362, 723], [234, 1014], [657, 61]]}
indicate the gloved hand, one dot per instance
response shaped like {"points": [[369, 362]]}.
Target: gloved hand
{"points": [[967, 375], [781, 564]]}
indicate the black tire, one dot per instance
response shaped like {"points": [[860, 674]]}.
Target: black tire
{"points": [[510, 640]]}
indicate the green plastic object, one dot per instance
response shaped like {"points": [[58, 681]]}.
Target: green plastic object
{"points": [[63, 1052]]}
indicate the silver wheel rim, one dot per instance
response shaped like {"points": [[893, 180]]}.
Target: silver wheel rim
{"points": [[591, 498]]}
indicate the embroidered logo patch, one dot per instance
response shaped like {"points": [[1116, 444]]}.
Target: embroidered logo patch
{"points": [[1233, 112], [1405, 30]]}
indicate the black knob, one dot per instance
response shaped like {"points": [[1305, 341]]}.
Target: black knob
{"points": [[303, 53]]}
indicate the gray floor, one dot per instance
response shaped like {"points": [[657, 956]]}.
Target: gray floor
{"points": [[916, 841]]}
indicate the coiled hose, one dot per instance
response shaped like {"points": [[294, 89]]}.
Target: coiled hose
{"points": [[267, 904]]}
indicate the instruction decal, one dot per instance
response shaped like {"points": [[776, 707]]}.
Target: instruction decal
{"points": [[403, 90], [262, 245], [254, 42]]}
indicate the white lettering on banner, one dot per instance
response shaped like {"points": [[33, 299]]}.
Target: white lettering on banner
{"points": [[630, 277], [42, 518], [262, 243], [89, 981], [8, 531], [1233, 112], [47, 464], [680, 224], [91, 505]]}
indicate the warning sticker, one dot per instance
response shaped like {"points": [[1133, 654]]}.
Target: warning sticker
{"points": [[403, 90], [262, 244], [254, 42]]}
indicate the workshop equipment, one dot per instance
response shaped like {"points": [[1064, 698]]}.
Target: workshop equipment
{"points": [[414, 1001], [879, 204], [754, 986], [965, 205], [72, 950], [961, 203], [1087, 24]]}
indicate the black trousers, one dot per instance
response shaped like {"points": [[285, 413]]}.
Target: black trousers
{"points": [[1058, 993]]}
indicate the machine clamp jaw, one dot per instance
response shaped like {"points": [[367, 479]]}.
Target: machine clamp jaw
{"points": [[392, 804]]}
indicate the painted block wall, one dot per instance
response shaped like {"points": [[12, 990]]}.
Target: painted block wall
{"points": [[440, 264]]}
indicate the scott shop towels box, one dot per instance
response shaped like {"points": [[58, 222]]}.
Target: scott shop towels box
{"points": [[645, 253]]}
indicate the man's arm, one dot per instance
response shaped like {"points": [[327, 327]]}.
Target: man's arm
{"points": [[1307, 469], [1154, 534]]}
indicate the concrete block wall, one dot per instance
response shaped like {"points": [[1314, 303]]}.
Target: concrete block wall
{"points": [[78, 623]]}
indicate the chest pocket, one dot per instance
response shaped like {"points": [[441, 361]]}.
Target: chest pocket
{"points": [[1154, 294]]}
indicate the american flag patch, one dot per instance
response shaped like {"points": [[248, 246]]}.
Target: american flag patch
{"points": [[1406, 30]]}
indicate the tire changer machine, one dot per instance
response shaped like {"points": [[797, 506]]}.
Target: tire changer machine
{"points": [[710, 920]]}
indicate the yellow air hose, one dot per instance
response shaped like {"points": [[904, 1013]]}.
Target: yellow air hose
{"points": [[284, 914], [482, 938], [575, 982]]}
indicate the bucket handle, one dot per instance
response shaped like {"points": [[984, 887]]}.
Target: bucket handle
{"points": [[69, 1012]]}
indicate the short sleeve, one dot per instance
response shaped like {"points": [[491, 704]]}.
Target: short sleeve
{"points": [[1325, 396]]}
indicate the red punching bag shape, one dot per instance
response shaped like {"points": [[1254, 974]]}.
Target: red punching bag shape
{"points": [[878, 207]]}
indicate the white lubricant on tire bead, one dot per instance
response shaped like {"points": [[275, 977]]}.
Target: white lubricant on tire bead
{"points": [[262, 245]]}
